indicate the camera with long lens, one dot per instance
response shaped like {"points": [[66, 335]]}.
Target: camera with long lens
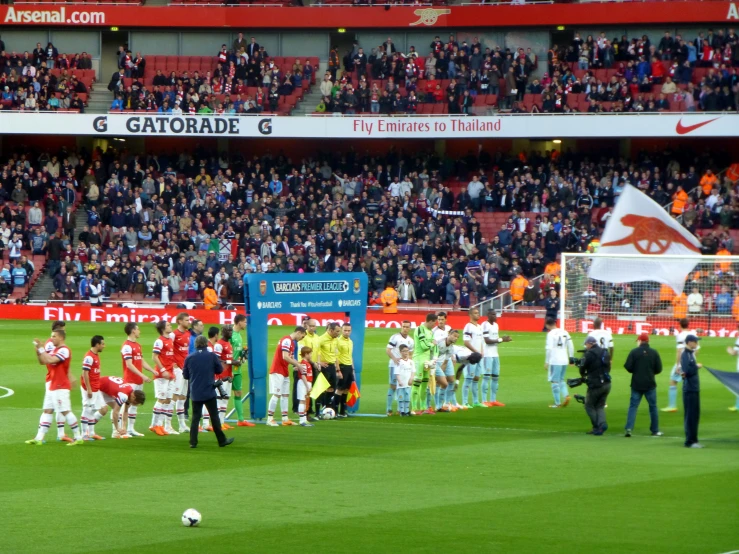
{"points": [[218, 385]]}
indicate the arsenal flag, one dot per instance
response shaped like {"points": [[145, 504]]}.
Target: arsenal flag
{"points": [[639, 225]]}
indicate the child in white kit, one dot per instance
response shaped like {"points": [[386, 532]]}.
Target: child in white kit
{"points": [[404, 373]]}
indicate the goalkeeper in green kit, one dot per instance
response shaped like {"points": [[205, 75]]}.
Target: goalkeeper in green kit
{"points": [[239, 359], [424, 350]]}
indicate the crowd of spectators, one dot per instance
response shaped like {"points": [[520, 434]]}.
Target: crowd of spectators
{"points": [[42, 79], [641, 75], [453, 72], [245, 80], [156, 224]]}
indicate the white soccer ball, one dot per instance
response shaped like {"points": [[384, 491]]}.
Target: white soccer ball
{"points": [[328, 413], [191, 518]]}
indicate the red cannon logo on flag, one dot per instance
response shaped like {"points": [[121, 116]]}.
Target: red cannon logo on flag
{"points": [[650, 235]]}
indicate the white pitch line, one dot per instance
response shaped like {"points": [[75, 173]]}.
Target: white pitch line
{"points": [[9, 392]]}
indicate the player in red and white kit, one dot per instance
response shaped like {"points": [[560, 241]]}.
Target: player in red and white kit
{"points": [[57, 363], [279, 376], [164, 379], [133, 366], [92, 399], [181, 342], [305, 380], [116, 394], [225, 352], [212, 341], [48, 405]]}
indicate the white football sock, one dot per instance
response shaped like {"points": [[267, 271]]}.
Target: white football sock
{"points": [[72, 422], [284, 404], [43, 425]]}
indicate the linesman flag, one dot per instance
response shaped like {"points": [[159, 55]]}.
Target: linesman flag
{"points": [[639, 225], [353, 395], [320, 386]]}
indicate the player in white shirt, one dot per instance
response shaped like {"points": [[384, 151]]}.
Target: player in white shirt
{"points": [[602, 335], [559, 351], [473, 341], [675, 376], [404, 372], [393, 352], [491, 360], [734, 351], [444, 396]]}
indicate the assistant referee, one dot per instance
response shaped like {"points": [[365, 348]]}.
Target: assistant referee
{"points": [[345, 347], [328, 362]]}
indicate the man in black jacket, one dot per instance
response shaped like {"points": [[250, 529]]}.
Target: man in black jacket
{"points": [[643, 363], [595, 371], [200, 370], [691, 391]]}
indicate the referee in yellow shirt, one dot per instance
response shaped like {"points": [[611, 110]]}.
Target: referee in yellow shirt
{"points": [[346, 370], [327, 360], [311, 341]]}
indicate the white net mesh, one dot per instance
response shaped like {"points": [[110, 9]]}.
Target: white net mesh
{"points": [[710, 297]]}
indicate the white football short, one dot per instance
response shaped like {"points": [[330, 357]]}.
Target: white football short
{"points": [[227, 387], [163, 388], [180, 383], [279, 384], [96, 400], [48, 400], [302, 390], [62, 401]]}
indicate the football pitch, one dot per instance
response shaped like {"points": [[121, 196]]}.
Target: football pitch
{"points": [[524, 478]]}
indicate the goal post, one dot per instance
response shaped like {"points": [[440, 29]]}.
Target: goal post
{"points": [[669, 288], [344, 295]]}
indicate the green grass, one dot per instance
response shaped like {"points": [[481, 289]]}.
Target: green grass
{"points": [[519, 479]]}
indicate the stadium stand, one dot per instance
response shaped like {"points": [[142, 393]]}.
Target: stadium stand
{"points": [[163, 227], [37, 81], [216, 84]]}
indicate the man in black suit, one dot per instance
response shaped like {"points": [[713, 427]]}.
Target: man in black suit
{"points": [[200, 370], [69, 222], [253, 49]]}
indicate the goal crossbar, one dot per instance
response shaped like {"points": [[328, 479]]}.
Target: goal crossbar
{"points": [[649, 305]]}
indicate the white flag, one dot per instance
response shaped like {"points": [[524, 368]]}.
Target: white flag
{"points": [[639, 225]]}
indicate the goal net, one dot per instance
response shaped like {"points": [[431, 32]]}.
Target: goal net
{"points": [[706, 295]]}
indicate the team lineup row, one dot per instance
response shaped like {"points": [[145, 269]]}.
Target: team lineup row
{"points": [[422, 372], [423, 378], [99, 393]]}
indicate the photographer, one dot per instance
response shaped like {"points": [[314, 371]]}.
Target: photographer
{"points": [[595, 368], [643, 363], [200, 369]]}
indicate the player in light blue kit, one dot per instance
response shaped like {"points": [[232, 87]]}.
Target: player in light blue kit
{"points": [[491, 360], [445, 371], [474, 342]]}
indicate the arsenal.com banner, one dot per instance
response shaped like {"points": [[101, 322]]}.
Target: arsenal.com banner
{"points": [[545, 126], [453, 17], [515, 322]]}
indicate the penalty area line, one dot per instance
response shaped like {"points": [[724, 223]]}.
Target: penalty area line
{"points": [[5, 392]]}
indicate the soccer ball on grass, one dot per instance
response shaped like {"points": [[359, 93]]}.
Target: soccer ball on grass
{"points": [[328, 413], [191, 518]]}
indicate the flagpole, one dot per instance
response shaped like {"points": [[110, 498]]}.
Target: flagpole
{"points": [[562, 290]]}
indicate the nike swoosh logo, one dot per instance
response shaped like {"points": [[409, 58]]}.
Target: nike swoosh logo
{"points": [[685, 129]]}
